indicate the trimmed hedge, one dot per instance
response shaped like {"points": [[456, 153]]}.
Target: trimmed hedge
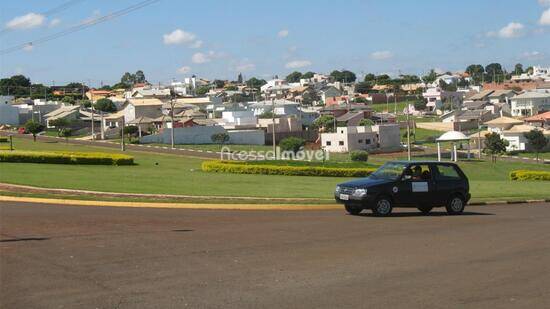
{"points": [[4, 139], [529, 175], [246, 168], [96, 158]]}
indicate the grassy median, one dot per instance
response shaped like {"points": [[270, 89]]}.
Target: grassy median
{"points": [[172, 174]]}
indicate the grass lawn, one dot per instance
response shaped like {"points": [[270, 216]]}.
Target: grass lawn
{"points": [[542, 155], [382, 107], [171, 174]]}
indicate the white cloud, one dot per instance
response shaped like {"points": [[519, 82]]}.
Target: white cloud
{"points": [[28, 21], [283, 33], [512, 30], [545, 18], [245, 67], [296, 64], [54, 22], [196, 44], [179, 36], [544, 2], [200, 58], [184, 70], [381, 55], [29, 47], [532, 55]]}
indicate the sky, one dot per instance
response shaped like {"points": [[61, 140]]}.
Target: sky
{"points": [[172, 39]]}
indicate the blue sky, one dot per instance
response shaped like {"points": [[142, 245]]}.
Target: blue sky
{"points": [[218, 39]]}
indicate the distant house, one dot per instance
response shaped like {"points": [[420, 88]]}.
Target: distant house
{"points": [[69, 113], [371, 138], [530, 103], [133, 109], [280, 107], [327, 92], [351, 118], [540, 120], [501, 96], [435, 97], [8, 114], [98, 94], [238, 118], [282, 124], [501, 124], [516, 137]]}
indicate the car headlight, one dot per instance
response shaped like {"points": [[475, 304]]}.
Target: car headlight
{"points": [[360, 192], [337, 189]]}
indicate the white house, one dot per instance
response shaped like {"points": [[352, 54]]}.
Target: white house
{"points": [[378, 137], [530, 103], [239, 118], [435, 96], [280, 107]]}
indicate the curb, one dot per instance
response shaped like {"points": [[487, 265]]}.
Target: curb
{"points": [[509, 202], [169, 205]]}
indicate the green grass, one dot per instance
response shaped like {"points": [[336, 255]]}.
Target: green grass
{"points": [[381, 107], [171, 174], [542, 155]]}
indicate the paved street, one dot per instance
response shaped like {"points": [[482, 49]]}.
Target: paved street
{"points": [[87, 257]]}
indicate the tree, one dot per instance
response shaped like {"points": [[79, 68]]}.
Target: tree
{"points": [[518, 68], [344, 76], [127, 79], [310, 96], [218, 83], [359, 156], [293, 77], [220, 138], [139, 77], [308, 75], [495, 145], [292, 143], [34, 128], [131, 131], [325, 123], [202, 90], [68, 99], [493, 72], [255, 83], [447, 87], [537, 140], [360, 100], [366, 122], [362, 87], [430, 77], [231, 88], [62, 126], [17, 85], [476, 71], [240, 78], [104, 106], [66, 133], [85, 103], [266, 115]]}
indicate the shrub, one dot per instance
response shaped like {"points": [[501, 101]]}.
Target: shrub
{"points": [[359, 155], [96, 158], [4, 139], [292, 144], [245, 168], [529, 175]]}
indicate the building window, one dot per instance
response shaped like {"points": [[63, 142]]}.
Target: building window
{"points": [[341, 143], [342, 131], [367, 141], [360, 141], [328, 143]]}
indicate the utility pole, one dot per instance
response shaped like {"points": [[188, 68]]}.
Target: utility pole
{"points": [[408, 138], [92, 107], [122, 145], [172, 104], [273, 119], [478, 139]]}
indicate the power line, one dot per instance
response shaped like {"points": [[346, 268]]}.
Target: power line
{"points": [[79, 27], [50, 12]]}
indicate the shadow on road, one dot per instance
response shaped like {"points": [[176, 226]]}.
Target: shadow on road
{"points": [[431, 214]]}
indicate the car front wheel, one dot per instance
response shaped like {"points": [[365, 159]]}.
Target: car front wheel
{"points": [[455, 206], [383, 207], [353, 210]]}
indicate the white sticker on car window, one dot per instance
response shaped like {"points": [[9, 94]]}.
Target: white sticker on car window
{"points": [[420, 186]]}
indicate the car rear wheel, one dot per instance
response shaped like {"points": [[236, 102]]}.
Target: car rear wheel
{"points": [[383, 207], [425, 209], [455, 206], [353, 210]]}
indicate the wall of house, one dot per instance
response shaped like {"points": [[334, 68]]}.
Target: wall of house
{"points": [[203, 135], [389, 137], [9, 114]]}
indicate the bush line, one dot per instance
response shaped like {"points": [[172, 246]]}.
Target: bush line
{"points": [[246, 168], [529, 175], [52, 157]]}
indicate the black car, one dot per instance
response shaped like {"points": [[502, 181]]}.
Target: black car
{"points": [[419, 184]]}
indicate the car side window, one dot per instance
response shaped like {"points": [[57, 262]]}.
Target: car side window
{"points": [[447, 172], [420, 172]]}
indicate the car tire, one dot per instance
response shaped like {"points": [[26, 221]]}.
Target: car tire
{"points": [[383, 206], [455, 205], [425, 209], [353, 210]]}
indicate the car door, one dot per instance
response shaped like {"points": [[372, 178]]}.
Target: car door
{"points": [[417, 189], [447, 181]]}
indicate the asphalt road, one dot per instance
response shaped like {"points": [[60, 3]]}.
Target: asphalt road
{"points": [[101, 257]]}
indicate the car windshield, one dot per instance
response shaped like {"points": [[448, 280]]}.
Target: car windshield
{"points": [[391, 171]]}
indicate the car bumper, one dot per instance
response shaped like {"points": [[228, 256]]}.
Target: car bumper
{"points": [[363, 201]]}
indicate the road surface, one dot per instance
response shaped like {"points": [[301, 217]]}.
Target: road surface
{"points": [[101, 257]]}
